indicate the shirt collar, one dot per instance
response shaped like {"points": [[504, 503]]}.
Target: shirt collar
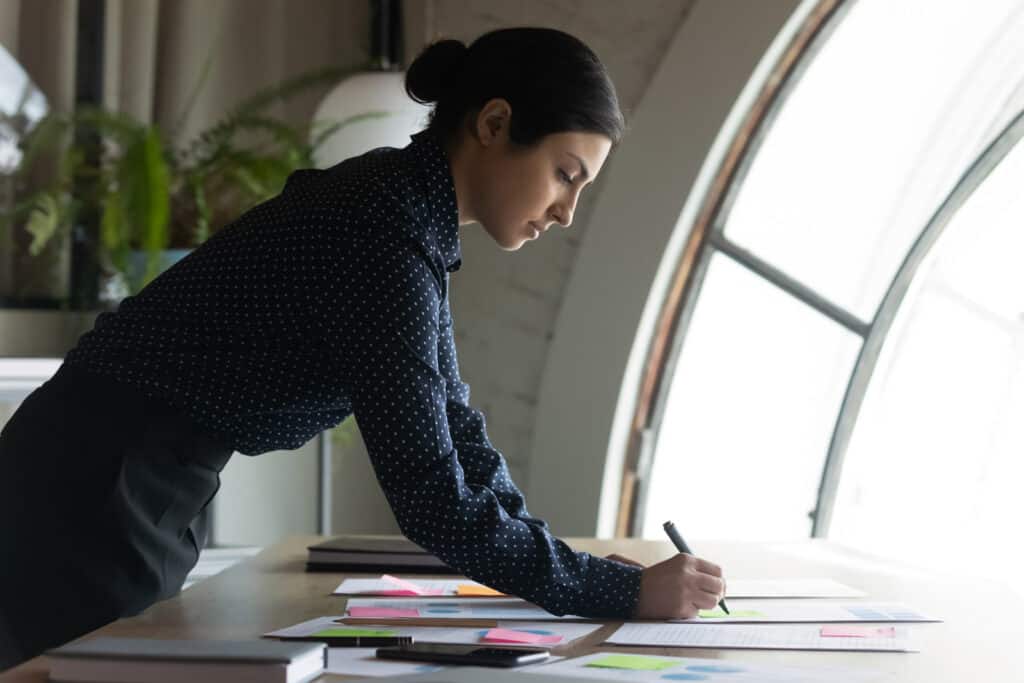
{"points": [[431, 165]]}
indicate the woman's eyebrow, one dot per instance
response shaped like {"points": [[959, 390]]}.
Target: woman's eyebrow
{"points": [[583, 167]]}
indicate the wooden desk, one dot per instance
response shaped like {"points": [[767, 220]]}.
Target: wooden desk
{"points": [[977, 642]]}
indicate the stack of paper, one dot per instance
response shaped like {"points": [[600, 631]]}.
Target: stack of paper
{"points": [[763, 636], [798, 611], [449, 608], [507, 634], [825, 615], [622, 666], [388, 585]]}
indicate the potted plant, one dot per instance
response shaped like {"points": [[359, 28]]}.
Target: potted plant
{"points": [[153, 200]]}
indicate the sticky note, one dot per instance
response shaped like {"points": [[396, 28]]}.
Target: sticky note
{"points": [[405, 588], [353, 633], [382, 612], [468, 590], [853, 631], [634, 662], [506, 635], [719, 613]]}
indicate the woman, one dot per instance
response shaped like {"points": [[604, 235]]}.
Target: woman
{"points": [[330, 299]]}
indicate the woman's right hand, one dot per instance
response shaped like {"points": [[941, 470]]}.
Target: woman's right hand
{"points": [[678, 587]]}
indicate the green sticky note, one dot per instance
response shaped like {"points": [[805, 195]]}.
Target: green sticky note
{"points": [[718, 613], [634, 662], [352, 633]]}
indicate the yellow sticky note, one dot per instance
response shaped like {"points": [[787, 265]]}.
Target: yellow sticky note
{"points": [[467, 590], [718, 613], [634, 662]]}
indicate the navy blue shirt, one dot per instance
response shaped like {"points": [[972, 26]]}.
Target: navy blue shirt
{"points": [[332, 299]]}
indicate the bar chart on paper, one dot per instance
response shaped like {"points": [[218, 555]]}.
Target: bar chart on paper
{"points": [[762, 637], [797, 611], [634, 667], [449, 608]]}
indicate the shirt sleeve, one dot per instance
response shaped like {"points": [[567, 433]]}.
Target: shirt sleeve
{"points": [[482, 462], [455, 509]]}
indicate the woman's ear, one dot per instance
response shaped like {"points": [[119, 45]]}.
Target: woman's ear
{"points": [[493, 121]]}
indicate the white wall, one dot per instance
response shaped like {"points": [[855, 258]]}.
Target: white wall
{"points": [[638, 227], [263, 499]]}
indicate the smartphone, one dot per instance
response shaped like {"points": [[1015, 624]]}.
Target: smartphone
{"points": [[464, 654]]}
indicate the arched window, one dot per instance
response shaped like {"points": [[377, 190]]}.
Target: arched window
{"points": [[847, 355]]}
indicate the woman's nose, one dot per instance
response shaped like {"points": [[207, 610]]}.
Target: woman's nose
{"points": [[563, 214]]}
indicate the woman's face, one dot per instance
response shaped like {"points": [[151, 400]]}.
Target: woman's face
{"points": [[516, 192]]}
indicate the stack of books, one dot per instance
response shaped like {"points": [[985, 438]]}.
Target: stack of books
{"points": [[146, 660], [370, 554]]}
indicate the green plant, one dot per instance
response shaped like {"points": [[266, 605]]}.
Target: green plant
{"points": [[150, 194]]}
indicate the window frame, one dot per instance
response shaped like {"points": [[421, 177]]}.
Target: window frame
{"points": [[707, 237]]}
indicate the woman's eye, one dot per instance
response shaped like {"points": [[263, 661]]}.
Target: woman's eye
{"points": [[564, 177]]}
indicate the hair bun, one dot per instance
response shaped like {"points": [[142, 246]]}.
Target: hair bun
{"points": [[434, 70]]}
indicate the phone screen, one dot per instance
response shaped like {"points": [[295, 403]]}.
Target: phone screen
{"points": [[464, 654]]}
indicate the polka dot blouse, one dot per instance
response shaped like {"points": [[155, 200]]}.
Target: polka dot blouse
{"points": [[332, 299]]}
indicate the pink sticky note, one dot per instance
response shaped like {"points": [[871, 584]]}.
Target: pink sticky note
{"points": [[382, 612], [507, 635], [846, 631], [403, 587]]}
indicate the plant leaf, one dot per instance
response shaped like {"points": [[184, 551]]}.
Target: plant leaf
{"points": [[143, 186], [42, 222]]}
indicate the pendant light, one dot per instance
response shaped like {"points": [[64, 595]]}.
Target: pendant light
{"points": [[388, 115]]}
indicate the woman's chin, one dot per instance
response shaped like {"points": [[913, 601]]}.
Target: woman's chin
{"points": [[507, 241], [512, 242], [512, 247]]}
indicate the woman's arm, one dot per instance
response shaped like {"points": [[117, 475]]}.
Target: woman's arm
{"points": [[482, 462], [400, 399]]}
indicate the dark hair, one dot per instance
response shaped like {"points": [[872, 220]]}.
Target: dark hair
{"points": [[553, 82]]}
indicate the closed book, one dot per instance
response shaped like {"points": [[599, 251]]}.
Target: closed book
{"points": [[148, 660], [373, 554]]}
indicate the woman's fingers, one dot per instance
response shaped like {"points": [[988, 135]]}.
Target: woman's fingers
{"points": [[679, 587], [706, 600], [706, 567], [711, 584]]}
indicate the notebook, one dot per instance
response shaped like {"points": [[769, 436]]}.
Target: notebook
{"points": [[376, 554], [146, 660]]}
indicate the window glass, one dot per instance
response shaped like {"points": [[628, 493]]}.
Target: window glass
{"points": [[936, 461], [749, 413], [898, 101]]}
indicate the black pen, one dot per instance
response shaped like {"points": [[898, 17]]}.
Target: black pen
{"points": [[356, 641], [681, 546]]}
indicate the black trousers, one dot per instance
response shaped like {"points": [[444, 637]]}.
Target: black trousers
{"points": [[100, 490]]}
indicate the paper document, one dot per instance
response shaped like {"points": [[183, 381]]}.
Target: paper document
{"points": [[760, 636], [633, 667], [450, 608], [789, 588], [439, 587], [509, 634], [798, 611], [737, 588]]}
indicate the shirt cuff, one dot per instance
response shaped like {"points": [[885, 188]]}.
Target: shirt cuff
{"points": [[612, 590]]}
